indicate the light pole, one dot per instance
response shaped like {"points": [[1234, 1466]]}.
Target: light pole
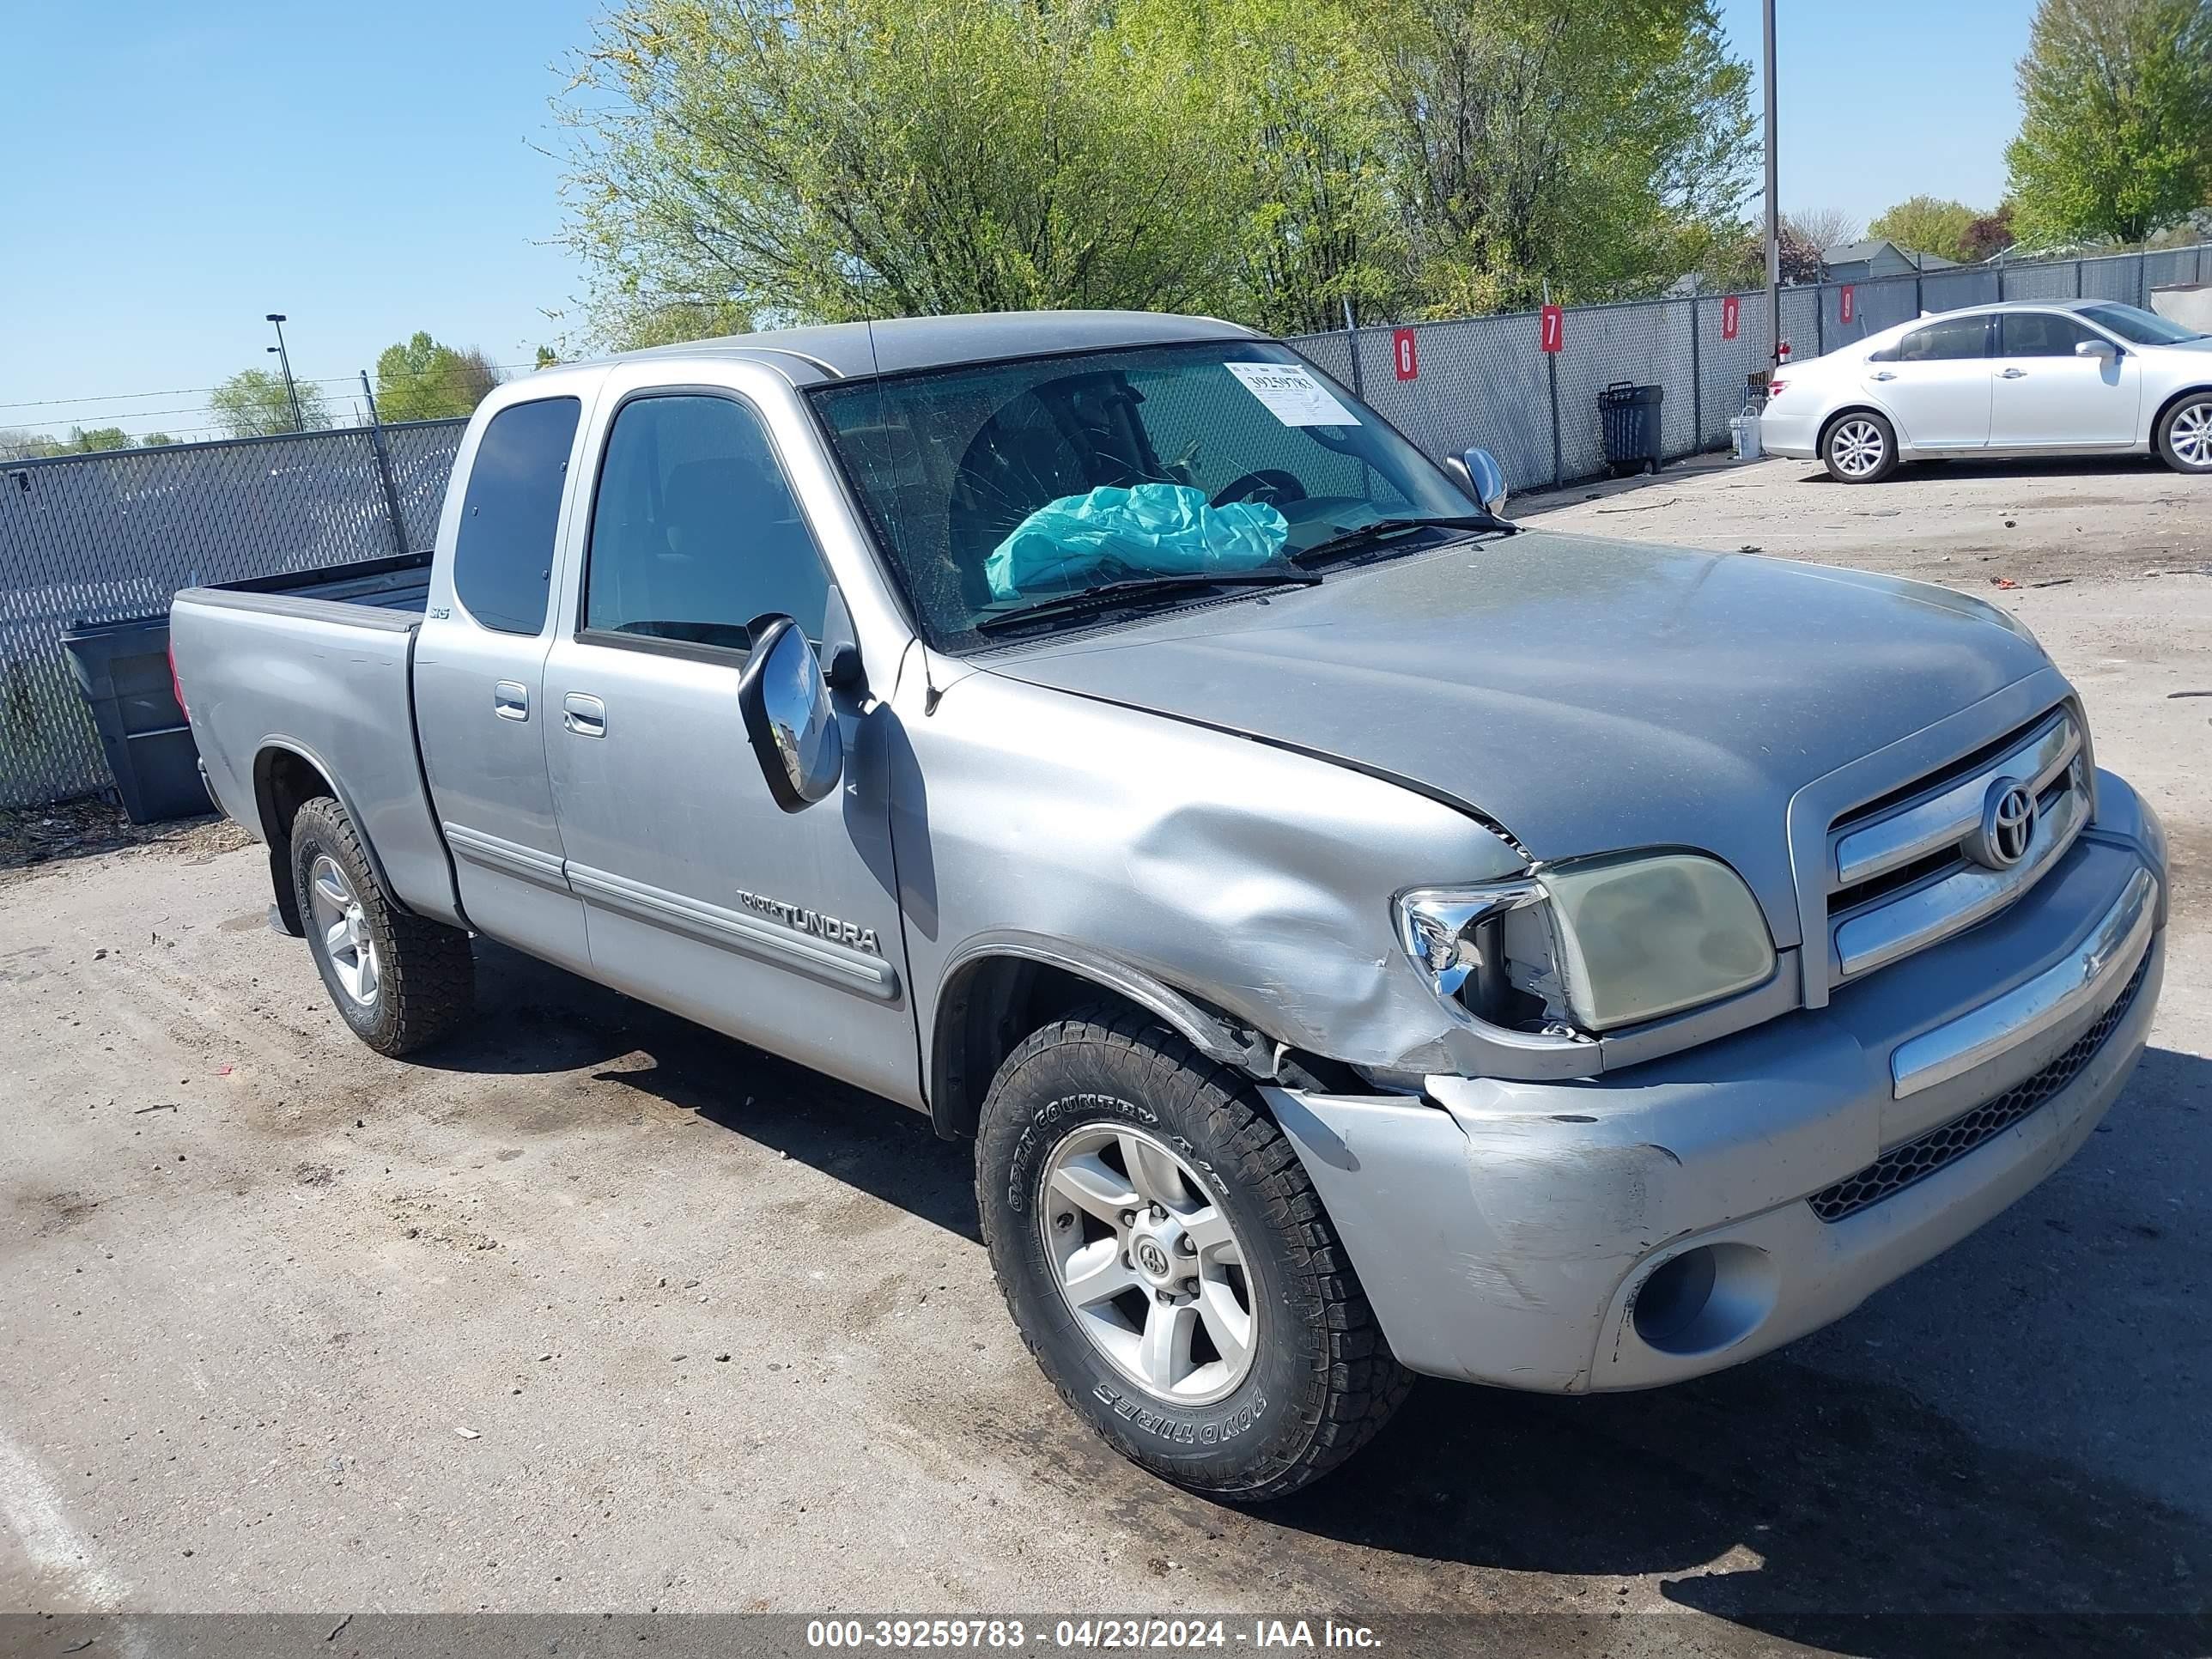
{"points": [[1773, 208], [285, 358]]}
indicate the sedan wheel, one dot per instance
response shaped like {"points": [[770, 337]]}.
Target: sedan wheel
{"points": [[2184, 437], [1859, 449]]}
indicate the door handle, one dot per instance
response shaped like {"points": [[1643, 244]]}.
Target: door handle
{"points": [[2015, 374], [1885, 375], [510, 699], [586, 716]]}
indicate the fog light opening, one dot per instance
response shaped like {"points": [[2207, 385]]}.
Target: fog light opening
{"points": [[1705, 1298]]}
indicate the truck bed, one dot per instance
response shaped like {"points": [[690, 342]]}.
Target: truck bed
{"points": [[318, 665], [401, 583]]}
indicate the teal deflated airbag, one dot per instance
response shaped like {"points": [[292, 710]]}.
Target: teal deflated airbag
{"points": [[1152, 528]]}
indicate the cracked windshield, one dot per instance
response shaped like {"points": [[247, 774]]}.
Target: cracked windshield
{"points": [[1002, 489]]}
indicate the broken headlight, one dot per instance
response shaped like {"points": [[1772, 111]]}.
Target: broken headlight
{"points": [[1593, 946]]}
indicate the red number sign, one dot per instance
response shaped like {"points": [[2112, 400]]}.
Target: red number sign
{"points": [[1553, 336], [1847, 303], [1731, 309], [1405, 353]]}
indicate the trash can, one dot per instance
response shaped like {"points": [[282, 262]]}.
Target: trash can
{"points": [[122, 669], [1630, 417]]}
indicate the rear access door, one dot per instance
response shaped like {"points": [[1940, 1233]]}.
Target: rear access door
{"points": [[1935, 383], [479, 673]]}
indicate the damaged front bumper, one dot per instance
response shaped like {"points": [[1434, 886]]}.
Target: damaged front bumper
{"points": [[1635, 1229]]}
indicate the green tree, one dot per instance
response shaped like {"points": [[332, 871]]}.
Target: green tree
{"points": [[1927, 224], [546, 357], [156, 440], [81, 442], [836, 159], [419, 379], [20, 444], [1601, 151], [254, 404], [2115, 136], [738, 162]]}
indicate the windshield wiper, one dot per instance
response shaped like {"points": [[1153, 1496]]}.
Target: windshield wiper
{"points": [[1379, 530], [1104, 595]]}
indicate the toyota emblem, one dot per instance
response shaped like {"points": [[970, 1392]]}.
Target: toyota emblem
{"points": [[2006, 827]]}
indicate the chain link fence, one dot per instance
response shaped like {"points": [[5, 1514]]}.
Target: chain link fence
{"points": [[95, 538], [98, 537]]}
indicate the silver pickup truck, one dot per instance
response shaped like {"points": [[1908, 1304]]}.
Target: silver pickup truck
{"points": [[1359, 936]]}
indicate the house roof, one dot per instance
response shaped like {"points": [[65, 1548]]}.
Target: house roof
{"points": [[1850, 253]]}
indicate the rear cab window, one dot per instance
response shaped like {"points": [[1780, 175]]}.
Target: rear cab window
{"points": [[503, 553]]}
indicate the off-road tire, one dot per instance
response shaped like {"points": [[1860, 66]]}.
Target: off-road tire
{"points": [[1840, 467], [2195, 408], [427, 976], [1322, 1380]]}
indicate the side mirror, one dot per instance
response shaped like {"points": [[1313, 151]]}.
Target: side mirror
{"points": [[1478, 469], [2103, 348], [785, 701]]}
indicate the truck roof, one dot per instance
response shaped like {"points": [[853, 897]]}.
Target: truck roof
{"points": [[833, 351]]}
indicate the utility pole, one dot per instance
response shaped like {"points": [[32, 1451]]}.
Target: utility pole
{"points": [[1773, 204], [285, 357]]}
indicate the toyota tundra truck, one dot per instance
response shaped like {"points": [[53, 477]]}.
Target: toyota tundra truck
{"points": [[1357, 936]]}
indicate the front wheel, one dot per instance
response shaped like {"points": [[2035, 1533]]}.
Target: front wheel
{"points": [[1860, 448], [401, 982], [2184, 434], [1169, 1265]]}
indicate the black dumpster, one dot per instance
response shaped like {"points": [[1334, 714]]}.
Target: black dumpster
{"points": [[1628, 415], [123, 669]]}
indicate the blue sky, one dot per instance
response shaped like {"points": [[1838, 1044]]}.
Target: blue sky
{"points": [[176, 171]]}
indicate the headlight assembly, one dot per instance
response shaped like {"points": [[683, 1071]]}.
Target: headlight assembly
{"points": [[1596, 945]]}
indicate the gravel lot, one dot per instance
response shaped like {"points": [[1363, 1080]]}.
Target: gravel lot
{"points": [[594, 1310]]}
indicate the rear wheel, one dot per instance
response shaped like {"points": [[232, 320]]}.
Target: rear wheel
{"points": [[1860, 448], [1169, 1265], [400, 981], [2184, 434]]}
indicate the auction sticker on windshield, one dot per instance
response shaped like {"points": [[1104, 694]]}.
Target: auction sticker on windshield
{"points": [[1293, 395]]}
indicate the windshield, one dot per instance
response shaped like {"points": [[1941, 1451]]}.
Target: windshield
{"points": [[997, 486], [2143, 327]]}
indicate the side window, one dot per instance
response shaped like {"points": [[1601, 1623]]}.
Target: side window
{"points": [[696, 531], [1945, 342], [2041, 334], [503, 555]]}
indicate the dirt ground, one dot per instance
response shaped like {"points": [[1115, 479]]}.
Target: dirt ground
{"points": [[593, 1310]]}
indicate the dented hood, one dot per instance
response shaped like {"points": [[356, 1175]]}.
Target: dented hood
{"points": [[1587, 695]]}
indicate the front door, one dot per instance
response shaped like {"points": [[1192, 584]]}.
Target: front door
{"points": [[2044, 395], [1935, 383], [701, 894]]}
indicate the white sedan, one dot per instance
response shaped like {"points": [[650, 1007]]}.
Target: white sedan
{"points": [[2088, 377]]}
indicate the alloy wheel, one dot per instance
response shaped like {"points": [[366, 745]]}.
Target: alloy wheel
{"points": [[1149, 1263], [346, 940], [1857, 447], [2190, 434]]}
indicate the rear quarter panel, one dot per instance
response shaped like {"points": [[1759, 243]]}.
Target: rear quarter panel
{"points": [[331, 682]]}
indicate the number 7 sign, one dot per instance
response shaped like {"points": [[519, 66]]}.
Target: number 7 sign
{"points": [[1552, 331]]}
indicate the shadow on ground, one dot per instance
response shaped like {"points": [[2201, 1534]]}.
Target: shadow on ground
{"points": [[1847, 1513], [536, 1020]]}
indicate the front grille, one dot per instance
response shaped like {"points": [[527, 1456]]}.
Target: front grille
{"points": [[1898, 875], [1902, 1166]]}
